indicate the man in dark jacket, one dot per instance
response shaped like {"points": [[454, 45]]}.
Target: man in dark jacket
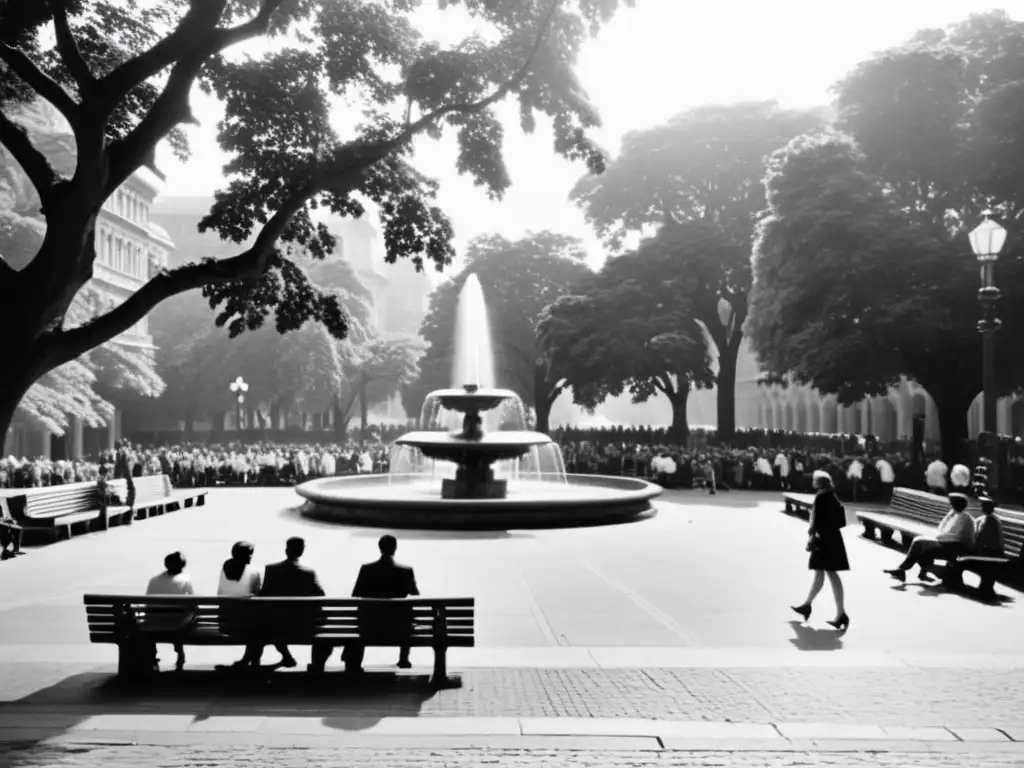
{"points": [[383, 578], [289, 578]]}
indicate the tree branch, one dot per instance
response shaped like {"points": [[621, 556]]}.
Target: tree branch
{"points": [[33, 162], [413, 129], [68, 48], [248, 265], [39, 81], [201, 19]]}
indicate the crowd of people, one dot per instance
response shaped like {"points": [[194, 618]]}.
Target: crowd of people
{"points": [[861, 469]]}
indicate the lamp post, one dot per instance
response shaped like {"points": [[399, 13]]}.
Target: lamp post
{"points": [[987, 240], [239, 388]]}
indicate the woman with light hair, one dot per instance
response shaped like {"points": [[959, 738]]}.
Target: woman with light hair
{"points": [[828, 552]]}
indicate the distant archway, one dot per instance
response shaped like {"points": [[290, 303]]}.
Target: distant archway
{"points": [[919, 404], [885, 420]]}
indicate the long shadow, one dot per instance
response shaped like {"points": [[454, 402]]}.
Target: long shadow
{"points": [[338, 700], [419, 533], [814, 638]]}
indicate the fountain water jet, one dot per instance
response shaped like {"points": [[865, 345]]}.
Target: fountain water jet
{"points": [[500, 477]]}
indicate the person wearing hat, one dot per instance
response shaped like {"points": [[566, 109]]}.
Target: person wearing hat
{"points": [[955, 536]]}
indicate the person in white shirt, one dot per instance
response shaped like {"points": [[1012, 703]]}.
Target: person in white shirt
{"points": [[960, 477], [955, 536], [239, 579], [887, 477], [171, 581], [782, 468], [935, 477]]}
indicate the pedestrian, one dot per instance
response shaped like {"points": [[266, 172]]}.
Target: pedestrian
{"points": [[828, 552]]}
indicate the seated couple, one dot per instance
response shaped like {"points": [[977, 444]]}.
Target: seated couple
{"points": [[383, 578], [958, 534]]}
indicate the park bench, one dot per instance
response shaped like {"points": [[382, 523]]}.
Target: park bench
{"points": [[121, 620], [59, 508], [155, 495], [915, 513], [798, 504]]}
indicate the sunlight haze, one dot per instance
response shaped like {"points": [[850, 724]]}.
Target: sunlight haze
{"points": [[648, 64]]}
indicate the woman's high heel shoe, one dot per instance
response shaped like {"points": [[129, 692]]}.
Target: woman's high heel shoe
{"points": [[842, 623], [803, 610]]}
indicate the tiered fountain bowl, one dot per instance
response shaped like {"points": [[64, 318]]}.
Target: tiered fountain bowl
{"points": [[447, 479]]}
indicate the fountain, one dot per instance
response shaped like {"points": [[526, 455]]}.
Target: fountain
{"points": [[473, 464]]}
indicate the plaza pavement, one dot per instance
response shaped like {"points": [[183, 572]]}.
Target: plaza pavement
{"points": [[664, 642]]}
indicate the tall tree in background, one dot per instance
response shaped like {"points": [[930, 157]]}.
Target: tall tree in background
{"points": [[519, 279], [629, 328], [122, 73], [704, 166], [863, 272]]}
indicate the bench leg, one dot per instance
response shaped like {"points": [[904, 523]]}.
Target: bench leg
{"points": [[885, 535], [869, 530], [953, 577], [440, 676], [135, 661], [201, 501]]}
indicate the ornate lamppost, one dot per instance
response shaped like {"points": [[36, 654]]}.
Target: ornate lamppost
{"points": [[987, 240], [239, 388]]}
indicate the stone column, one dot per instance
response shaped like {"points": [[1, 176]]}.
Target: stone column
{"points": [[113, 430]]}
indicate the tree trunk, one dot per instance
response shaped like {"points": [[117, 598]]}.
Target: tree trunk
{"points": [[680, 429], [541, 399], [951, 408], [364, 413], [726, 397], [10, 397]]}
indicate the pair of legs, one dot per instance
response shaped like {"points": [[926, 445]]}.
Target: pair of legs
{"points": [[923, 551], [254, 653], [179, 650], [352, 655], [837, 591]]}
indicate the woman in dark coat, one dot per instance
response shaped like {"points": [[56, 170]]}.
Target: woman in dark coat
{"points": [[828, 552]]}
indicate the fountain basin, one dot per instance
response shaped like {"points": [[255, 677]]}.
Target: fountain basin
{"points": [[414, 501], [490, 447]]}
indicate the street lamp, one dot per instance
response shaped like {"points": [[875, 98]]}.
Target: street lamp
{"points": [[987, 240], [239, 387]]}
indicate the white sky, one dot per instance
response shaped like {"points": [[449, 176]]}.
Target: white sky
{"points": [[648, 64]]}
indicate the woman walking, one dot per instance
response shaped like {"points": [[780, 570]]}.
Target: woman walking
{"points": [[828, 552]]}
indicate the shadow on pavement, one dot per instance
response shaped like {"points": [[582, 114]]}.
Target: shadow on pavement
{"points": [[815, 638], [336, 699]]}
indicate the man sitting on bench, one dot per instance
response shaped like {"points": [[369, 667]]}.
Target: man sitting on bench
{"points": [[955, 536]]}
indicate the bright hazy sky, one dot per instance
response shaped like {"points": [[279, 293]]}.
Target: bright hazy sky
{"points": [[651, 62]]}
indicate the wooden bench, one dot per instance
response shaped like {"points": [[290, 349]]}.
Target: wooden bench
{"points": [[799, 504], [182, 497], [121, 620], [59, 508], [915, 513]]}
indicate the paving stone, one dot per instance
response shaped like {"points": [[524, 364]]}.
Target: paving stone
{"points": [[75, 756]]}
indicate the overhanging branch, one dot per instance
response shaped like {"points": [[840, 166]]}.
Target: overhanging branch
{"points": [[39, 81], [33, 162], [248, 265], [68, 48]]}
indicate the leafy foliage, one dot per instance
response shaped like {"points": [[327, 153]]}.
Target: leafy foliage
{"points": [[519, 279], [124, 70], [696, 182], [628, 329], [863, 254]]}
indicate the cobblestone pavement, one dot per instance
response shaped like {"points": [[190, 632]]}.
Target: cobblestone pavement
{"points": [[892, 696], [220, 757]]}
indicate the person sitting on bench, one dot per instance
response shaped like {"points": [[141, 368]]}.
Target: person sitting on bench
{"points": [[954, 537], [988, 531]]}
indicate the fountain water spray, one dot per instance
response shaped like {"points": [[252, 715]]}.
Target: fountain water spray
{"points": [[473, 356]]}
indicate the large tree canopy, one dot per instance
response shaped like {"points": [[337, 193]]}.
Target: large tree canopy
{"points": [[519, 279], [629, 328], [863, 257], [121, 73], [705, 166]]}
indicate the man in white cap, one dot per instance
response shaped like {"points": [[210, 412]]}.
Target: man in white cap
{"points": [[954, 537]]}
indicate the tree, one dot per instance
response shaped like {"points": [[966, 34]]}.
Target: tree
{"points": [[374, 372], [628, 329], [863, 255], [705, 165], [121, 74], [519, 279]]}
